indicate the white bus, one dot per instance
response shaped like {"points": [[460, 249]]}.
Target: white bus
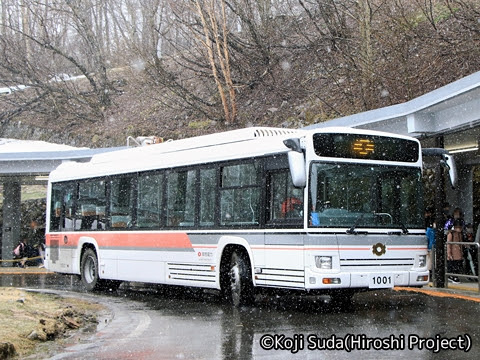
{"points": [[334, 211]]}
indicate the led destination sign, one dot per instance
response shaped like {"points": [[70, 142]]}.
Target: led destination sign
{"points": [[369, 147]]}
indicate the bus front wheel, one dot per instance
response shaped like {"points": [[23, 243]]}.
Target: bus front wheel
{"points": [[89, 270], [239, 285]]}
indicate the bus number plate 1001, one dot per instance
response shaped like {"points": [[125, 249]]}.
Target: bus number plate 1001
{"points": [[376, 281]]}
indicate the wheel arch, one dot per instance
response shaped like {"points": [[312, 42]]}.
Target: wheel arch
{"points": [[226, 246], [85, 243]]}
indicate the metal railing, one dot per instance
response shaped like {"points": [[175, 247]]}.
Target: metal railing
{"points": [[475, 270]]}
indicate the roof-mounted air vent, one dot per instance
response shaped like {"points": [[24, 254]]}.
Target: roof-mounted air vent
{"points": [[264, 132]]}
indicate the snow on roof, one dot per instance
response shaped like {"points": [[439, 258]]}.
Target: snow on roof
{"points": [[15, 146], [33, 150], [449, 95]]}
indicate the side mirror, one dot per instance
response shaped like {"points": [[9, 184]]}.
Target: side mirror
{"points": [[452, 169], [446, 160], [296, 163]]}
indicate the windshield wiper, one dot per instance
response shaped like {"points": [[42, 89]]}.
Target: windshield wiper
{"points": [[404, 228], [352, 229]]}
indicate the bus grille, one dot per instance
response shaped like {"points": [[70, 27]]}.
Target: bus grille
{"points": [[191, 272], [281, 278], [373, 264]]}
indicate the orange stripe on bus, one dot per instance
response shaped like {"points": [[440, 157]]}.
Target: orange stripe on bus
{"points": [[180, 240], [148, 240]]}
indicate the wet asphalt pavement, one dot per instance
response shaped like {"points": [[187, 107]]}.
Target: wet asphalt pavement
{"points": [[154, 322]]}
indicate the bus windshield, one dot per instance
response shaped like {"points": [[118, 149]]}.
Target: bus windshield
{"points": [[365, 196]]}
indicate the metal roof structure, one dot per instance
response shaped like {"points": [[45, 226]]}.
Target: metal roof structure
{"points": [[447, 111], [27, 161]]}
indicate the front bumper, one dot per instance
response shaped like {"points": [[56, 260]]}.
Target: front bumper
{"points": [[315, 280]]}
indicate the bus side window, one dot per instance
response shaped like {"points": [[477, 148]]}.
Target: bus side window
{"points": [[56, 207], [90, 214], [149, 200], [285, 200], [208, 191], [181, 197], [240, 195], [121, 198], [62, 206]]}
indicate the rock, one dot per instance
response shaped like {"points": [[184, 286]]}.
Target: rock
{"points": [[42, 336], [68, 312], [33, 336], [7, 350], [71, 323], [51, 329]]}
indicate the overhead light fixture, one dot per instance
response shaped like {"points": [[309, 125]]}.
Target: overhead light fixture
{"points": [[41, 178], [462, 150]]}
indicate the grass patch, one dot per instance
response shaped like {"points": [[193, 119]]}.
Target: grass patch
{"points": [[29, 192], [32, 192], [199, 125], [29, 319]]}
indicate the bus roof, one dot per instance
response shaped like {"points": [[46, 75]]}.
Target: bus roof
{"points": [[200, 149], [235, 144], [227, 137]]}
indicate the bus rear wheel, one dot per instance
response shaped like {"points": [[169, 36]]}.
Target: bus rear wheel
{"points": [[89, 270], [238, 284]]}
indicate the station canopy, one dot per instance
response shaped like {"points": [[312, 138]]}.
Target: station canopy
{"points": [[30, 162]]}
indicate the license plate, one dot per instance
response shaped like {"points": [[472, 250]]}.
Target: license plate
{"points": [[379, 281]]}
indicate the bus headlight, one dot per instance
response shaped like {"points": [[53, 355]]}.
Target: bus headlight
{"points": [[323, 262], [422, 261]]}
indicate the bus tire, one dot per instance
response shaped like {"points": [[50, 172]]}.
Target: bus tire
{"points": [[239, 285], [89, 271]]}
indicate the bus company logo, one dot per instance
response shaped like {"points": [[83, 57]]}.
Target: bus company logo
{"points": [[205, 254], [65, 239], [379, 249]]}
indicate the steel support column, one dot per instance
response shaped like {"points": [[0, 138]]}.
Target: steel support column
{"points": [[11, 219]]}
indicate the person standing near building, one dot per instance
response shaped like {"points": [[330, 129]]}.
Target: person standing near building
{"points": [[457, 215], [20, 253], [446, 216], [454, 252], [430, 233]]}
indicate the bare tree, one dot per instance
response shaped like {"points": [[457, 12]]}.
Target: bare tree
{"points": [[234, 61], [51, 35], [215, 42]]}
